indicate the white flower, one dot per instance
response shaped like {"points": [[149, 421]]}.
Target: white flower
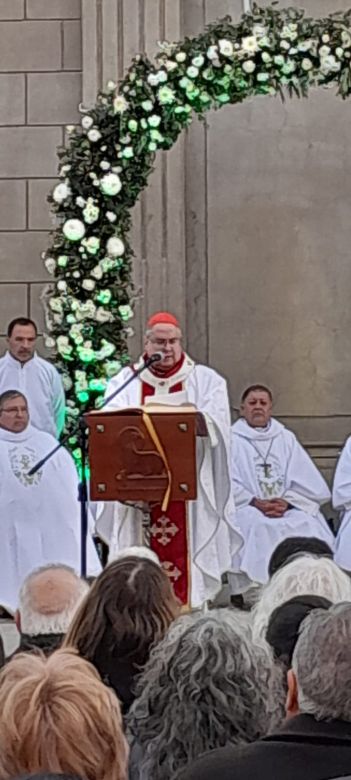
{"points": [[192, 72], [62, 341], [170, 65], [102, 315], [249, 44], [126, 312], [64, 170], [306, 64], [147, 105], [152, 79], [87, 122], [180, 56], [91, 212], [248, 66], [162, 76], [266, 57], [120, 104], [305, 45], [339, 52], [212, 52], [262, 76], [104, 165], [198, 61], [115, 247], [70, 129], [97, 272], [49, 342], [289, 31], [225, 47], [111, 85], [62, 286], [92, 244], [50, 264], [80, 202], [88, 284], [73, 229], [326, 38], [94, 135], [111, 184], [55, 304], [111, 216], [279, 59], [329, 65], [324, 51], [61, 192], [284, 45]]}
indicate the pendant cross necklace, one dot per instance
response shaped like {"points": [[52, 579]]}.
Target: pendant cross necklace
{"points": [[265, 465]]}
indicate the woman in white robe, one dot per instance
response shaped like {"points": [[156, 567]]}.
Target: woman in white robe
{"points": [[268, 463], [342, 502]]}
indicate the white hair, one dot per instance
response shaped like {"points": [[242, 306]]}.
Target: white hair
{"points": [[34, 622], [322, 664], [306, 574], [138, 551]]}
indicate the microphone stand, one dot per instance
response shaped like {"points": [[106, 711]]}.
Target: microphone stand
{"points": [[81, 430]]}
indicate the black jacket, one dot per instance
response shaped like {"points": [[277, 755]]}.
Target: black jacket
{"points": [[303, 749]]}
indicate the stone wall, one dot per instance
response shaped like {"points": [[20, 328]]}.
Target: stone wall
{"points": [[244, 230], [40, 89]]}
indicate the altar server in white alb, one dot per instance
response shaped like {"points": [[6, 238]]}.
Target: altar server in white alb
{"points": [[196, 541], [342, 502], [278, 490], [40, 515], [22, 369]]}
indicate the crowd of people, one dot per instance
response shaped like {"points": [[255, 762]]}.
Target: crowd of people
{"points": [[113, 680], [138, 670]]}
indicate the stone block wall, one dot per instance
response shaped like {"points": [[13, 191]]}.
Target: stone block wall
{"points": [[40, 90]]}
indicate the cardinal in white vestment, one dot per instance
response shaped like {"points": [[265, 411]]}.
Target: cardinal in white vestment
{"points": [[39, 514], [196, 541], [278, 490], [341, 498]]}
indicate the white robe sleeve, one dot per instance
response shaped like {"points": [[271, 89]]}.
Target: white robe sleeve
{"points": [[306, 488], [58, 401], [213, 402], [342, 479]]}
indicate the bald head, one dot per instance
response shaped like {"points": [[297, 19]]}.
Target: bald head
{"points": [[49, 598]]}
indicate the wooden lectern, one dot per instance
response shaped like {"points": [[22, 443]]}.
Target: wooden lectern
{"points": [[145, 454]]}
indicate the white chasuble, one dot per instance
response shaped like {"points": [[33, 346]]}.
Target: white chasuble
{"points": [[213, 537], [342, 502], [39, 514], [270, 463]]}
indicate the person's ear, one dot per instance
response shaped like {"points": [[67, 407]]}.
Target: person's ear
{"points": [[18, 620], [292, 704]]}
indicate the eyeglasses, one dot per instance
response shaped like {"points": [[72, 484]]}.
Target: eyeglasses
{"points": [[164, 342]]}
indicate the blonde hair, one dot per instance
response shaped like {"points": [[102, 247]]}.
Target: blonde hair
{"points": [[57, 716]]}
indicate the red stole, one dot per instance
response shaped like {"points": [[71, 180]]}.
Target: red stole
{"points": [[169, 531]]}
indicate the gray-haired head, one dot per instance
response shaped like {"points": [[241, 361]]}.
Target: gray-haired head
{"points": [[305, 574], [322, 664], [49, 598], [203, 687]]}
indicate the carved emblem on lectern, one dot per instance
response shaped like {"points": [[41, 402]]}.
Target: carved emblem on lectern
{"points": [[139, 459]]}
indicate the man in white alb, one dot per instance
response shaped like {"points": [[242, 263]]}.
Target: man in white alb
{"points": [[341, 498], [278, 490], [196, 541], [22, 369], [39, 514]]}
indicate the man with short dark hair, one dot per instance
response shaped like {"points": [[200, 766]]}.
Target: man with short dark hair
{"points": [[277, 488], [315, 741], [23, 370], [40, 516]]}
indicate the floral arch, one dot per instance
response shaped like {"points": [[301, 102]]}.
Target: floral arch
{"points": [[109, 157]]}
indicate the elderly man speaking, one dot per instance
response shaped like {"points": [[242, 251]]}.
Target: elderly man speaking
{"points": [[196, 541]]}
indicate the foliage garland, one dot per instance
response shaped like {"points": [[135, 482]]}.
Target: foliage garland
{"points": [[109, 158]]}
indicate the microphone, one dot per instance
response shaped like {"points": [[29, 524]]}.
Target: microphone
{"points": [[155, 358]]}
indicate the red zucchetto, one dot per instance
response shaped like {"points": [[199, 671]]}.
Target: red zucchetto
{"points": [[162, 318]]}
